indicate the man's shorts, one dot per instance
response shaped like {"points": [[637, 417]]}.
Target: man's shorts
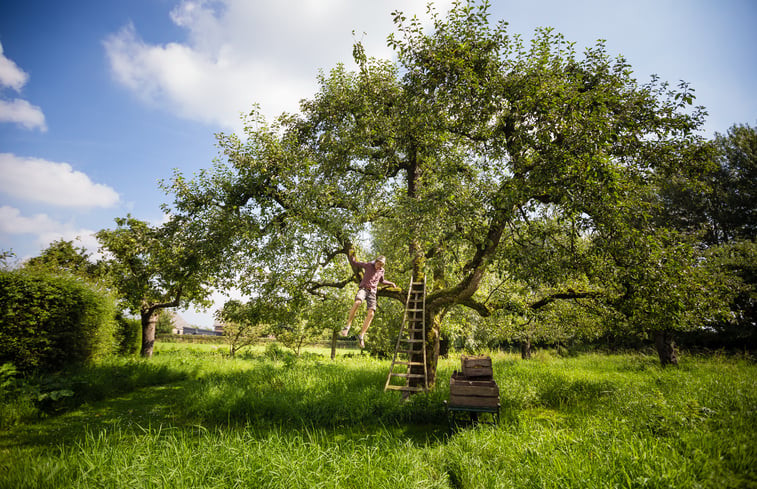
{"points": [[368, 296]]}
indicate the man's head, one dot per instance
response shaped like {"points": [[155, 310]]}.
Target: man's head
{"points": [[380, 261]]}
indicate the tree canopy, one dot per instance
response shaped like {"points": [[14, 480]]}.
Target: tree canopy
{"points": [[475, 160], [156, 267]]}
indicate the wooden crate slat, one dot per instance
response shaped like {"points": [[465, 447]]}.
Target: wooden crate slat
{"points": [[473, 401], [471, 390]]}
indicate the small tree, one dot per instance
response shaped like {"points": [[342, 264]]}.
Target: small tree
{"points": [[243, 324], [328, 312], [153, 268], [295, 322], [664, 287]]}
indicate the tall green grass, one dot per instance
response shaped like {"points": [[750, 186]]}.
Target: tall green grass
{"points": [[272, 420]]}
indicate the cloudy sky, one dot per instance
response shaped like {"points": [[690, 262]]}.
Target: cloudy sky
{"points": [[101, 99]]}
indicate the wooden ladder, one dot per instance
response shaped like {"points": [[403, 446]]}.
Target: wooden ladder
{"points": [[410, 351]]}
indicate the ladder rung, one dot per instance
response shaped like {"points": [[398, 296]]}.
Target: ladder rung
{"points": [[415, 310], [405, 388], [408, 376], [401, 362]]}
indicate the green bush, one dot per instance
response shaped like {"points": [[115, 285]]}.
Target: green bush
{"points": [[51, 321], [128, 335]]}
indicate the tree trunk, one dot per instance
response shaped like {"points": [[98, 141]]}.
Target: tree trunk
{"points": [[333, 344], [666, 348], [433, 343], [525, 348], [149, 320]]}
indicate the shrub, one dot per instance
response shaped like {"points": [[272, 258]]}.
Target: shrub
{"points": [[274, 351], [51, 321], [128, 335]]}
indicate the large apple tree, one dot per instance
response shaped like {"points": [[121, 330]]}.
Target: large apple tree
{"points": [[448, 158]]}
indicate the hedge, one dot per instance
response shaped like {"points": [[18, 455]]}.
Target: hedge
{"points": [[48, 322]]}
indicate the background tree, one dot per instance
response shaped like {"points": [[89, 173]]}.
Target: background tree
{"points": [[64, 256], [153, 268], [717, 206], [164, 322], [443, 159], [328, 312], [296, 322], [243, 323], [718, 200]]}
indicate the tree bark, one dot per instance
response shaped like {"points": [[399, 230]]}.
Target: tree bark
{"points": [[333, 344], [666, 348], [525, 348], [149, 320], [433, 343]]}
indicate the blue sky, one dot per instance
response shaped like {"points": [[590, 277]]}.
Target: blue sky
{"points": [[101, 99]]}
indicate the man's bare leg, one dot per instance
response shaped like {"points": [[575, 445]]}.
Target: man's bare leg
{"points": [[366, 324], [353, 311]]}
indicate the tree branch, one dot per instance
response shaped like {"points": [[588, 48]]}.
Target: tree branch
{"points": [[569, 294]]}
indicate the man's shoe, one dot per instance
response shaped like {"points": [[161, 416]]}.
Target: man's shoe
{"points": [[360, 340], [345, 331]]}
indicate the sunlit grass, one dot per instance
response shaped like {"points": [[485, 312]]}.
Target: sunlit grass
{"points": [[270, 420]]}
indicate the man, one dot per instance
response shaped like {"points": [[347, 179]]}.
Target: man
{"points": [[373, 276]]}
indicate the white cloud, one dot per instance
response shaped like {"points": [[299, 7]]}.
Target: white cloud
{"points": [[53, 183], [18, 111], [10, 74], [12, 222], [46, 230], [22, 112], [240, 52]]}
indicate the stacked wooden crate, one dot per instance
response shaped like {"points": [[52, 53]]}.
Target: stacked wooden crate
{"points": [[474, 387]]}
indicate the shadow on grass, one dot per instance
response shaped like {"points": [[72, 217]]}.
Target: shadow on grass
{"points": [[135, 411], [559, 392], [267, 396], [310, 394]]}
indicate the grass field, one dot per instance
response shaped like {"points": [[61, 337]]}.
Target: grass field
{"points": [[192, 417]]}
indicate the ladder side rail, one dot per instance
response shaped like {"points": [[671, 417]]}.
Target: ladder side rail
{"points": [[423, 335]]}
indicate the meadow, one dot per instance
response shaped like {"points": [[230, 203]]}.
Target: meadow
{"points": [[193, 417]]}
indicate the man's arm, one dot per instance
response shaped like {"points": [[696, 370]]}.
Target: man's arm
{"points": [[354, 262], [388, 282]]}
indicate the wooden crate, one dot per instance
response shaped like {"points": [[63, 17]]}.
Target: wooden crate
{"points": [[475, 393], [477, 366]]}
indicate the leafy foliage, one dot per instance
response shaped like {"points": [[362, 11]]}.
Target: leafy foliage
{"points": [[153, 268], [243, 324], [719, 199], [51, 321], [63, 256], [128, 334]]}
